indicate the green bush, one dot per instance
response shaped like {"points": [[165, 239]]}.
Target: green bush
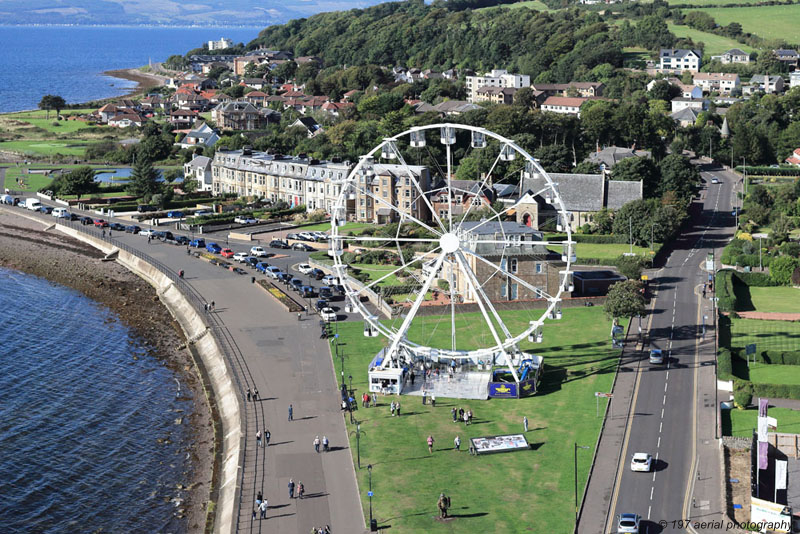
{"points": [[724, 365], [742, 396], [398, 289], [756, 279], [775, 391], [590, 238], [769, 171], [725, 293], [779, 357]]}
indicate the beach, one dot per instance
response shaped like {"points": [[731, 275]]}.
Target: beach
{"points": [[26, 247], [144, 80]]}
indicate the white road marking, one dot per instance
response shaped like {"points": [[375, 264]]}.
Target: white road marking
{"points": [[665, 399], [651, 492], [665, 389], [667, 375], [661, 424], [659, 443], [662, 413], [648, 512], [654, 476]]}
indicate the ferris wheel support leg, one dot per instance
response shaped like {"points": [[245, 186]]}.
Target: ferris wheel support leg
{"points": [[412, 312], [488, 319]]}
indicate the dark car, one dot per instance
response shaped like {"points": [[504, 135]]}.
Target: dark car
{"points": [[100, 223], [46, 209], [73, 217], [292, 236], [317, 274], [213, 248], [303, 246], [251, 261], [197, 243], [87, 220], [175, 214], [167, 236], [321, 303], [339, 290], [278, 243], [262, 267], [181, 240], [117, 226], [159, 235], [144, 208], [133, 229], [284, 277], [296, 284], [307, 292], [325, 292]]}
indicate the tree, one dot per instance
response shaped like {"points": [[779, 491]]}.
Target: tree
{"points": [[78, 182], [555, 158], [144, 179], [635, 169], [604, 221], [678, 176], [782, 268], [630, 267], [625, 299], [49, 102]]}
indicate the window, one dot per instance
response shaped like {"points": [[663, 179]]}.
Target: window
{"points": [[514, 265], [504, 290], [503, 264], [538, 268]]}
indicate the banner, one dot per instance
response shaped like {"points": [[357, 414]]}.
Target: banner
{"points": [[762, 429], [763, 450], [491, 444], [769, 515], [772, 422], [763, 404], [781, 470], [503, 390]]}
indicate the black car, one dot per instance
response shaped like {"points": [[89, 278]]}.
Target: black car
{"points": [[250, 261], [167, 236], [117, 226], [133, 229], [296, 284], [321, 303], [46, 209], [73, 217], [284, 277], [181, 240], [339, 290], [325, 292], [317, 274], [144, 208], [87, 220], [158, 235], [292, 236], [307, 292], [303, 246], [278, 243]]}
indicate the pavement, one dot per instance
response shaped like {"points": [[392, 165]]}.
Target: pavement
{"points": [[285, 359], [670, 410]]}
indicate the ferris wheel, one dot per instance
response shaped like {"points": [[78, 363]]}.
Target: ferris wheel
{"points": [[460, 253]]}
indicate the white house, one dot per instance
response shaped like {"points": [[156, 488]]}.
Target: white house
{"points": [[201, 135], [794, 79], [222, 44], [679, 103], [679, 60], [687, 91], [495, 78], [720, 82], [767, 83], [199, 169], [734, 55], [564, 104]]}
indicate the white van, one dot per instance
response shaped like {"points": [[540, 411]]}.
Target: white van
{"points": [[59, 212], [32, 204]]}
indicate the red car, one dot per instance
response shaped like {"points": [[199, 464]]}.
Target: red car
{"points": [[226, 253], [100, 223]]}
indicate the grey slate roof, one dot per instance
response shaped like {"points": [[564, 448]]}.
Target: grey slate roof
{"points": [[620, 192], [735, 52], [494, 230], [686, 114], [200, 162], [612, 155], [579, 192], [679, 52]]}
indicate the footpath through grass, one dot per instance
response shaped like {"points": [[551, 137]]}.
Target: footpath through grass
{"points": [[527, 491], [740, 423], [775, 299], [767, 335]]}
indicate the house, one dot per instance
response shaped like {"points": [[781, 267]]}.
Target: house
{"points": [[680, 103], [583, 196], [388, 190], [182, 118], [679, 60], [222, 44], [152, 103], [201, 135], [109, 111], [125, 120], [610, 156], [239, 115], [787, 57], [192, 101], [719, 82], [769, 84], [465, 193], [686, 116], [794, 79], [337, 108], [517, 270], [734, 55], [208, 67], [254, 83], [583, 89], [257, 98], [309, 59], [564, 104], [495, 78], [687, 91], [495, 95], [794, 159], [199, 169], [311, 126]]}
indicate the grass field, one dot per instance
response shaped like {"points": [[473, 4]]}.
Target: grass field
{"points": [[775, 299], [763, 373], [769, 22], [50, 147], [605, 251], [58, 127], [714, 44], [767, 335], [536, 5], [741, 423], [33, 182], [529, 491], [376, 271], [712, 2]]}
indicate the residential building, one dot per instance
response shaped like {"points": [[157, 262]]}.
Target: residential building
{"points": [[679, 60], [794, 159], [199, 169], [794, 79], [465, 193], [564, 104], [686, 116], [311, 126], [610, 156], [534, 268], [125, 120], [202, 135], [769, 84], [787, 57], [719, 82], [257, 98], [109, 111], [495, 95], [495, 78], [337, 108], [680, 103], [583, 89], [583, 196], [687, 91], [386, 190], [182, 118], [239, 115], [734, 55], [222, 44]]}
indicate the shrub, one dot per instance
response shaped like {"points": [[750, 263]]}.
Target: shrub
{"points": [[742, 394], [775, 391], [755, 279], [724, 365], [781, 269], [725, 294]]}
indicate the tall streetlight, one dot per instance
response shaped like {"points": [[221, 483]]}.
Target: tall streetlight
{"points": [[744, 168], [358, 433], [373, 525], [575, 455]]}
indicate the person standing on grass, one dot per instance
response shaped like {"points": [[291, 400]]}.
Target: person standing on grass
{"points": [[397, 408], [374, 399], [457, 444], [469, 416], [430, 444], [466, 419], [525, 423], [455, 414], [392, 408], [433, 401]]}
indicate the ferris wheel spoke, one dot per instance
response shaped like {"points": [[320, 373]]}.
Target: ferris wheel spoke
{"points": [[495, 216], [486, 179], [505, 272], [370, 194], [417, 186], [480, 293], [518, 243], [387, 238], [404, 266]]}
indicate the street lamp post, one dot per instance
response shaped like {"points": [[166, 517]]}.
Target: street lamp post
{"points": [[358, 433], [351, 384], [744, 168], [371, 520], [575, 456]]}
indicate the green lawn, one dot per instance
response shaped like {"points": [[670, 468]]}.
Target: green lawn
{"points": [[529, 491], [742, 422], [33, 182], [769, 22], [605, 251], [767, 335], [376, 271], [59, 127], [763, 373], [775, 299], [715, 44], [51, 147], [713, 2]]}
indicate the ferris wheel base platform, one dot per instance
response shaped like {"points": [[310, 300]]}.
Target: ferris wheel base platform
{"points": [[469, 385]]}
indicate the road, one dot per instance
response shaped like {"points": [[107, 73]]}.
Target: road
{"points": [[666, 398]]}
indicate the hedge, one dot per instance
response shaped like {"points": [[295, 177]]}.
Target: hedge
{"points": [[726, 296], [776, 391], [779, 357], [599, 239], [386, 291], [756, 279], [725, 365], [769, 171]]}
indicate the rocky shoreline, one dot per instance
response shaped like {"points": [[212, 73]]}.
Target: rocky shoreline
{"points": [[24, 246], [144, 81]]}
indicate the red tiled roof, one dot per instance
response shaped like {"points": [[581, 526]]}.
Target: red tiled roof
{"points": [[574, 102], [257, 94]]}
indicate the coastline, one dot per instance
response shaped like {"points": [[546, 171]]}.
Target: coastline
{"points": [[24, 246], [144, 82]]}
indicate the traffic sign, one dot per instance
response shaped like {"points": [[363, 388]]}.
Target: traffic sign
{"points": [[751, 348], [605, 395], [369, 494]]}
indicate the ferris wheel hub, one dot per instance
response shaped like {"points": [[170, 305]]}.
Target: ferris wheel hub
{"points": [[449, 243]]}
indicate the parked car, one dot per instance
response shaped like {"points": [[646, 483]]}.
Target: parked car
{"points": [[307, 236], [101, 223], [181, 240], [240, 256], [304, 247], [144, 208], [258, 252], [159, 234], [320, 304], [167, 236], [296, 284], [328, 315], [46, 209], [251, 261], [305, 268], [147, 232], [330, 280], [262, 267], [132, 229], [284, 277], [338, 289], [117, 226], [213, 248], [226, 253], [317, 274], [197, 243], [201, 213], [278, 243], [273, 272], [307, 292], [59, 212], [325, 292], [175, 214], [628, 523], [87, 220], [72, 217], [641, 461], [292, 236], [321, 236]]}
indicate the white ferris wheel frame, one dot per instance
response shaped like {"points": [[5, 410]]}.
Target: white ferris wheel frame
{"points": [[505, 341]]}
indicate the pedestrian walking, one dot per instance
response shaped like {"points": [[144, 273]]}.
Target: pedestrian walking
{"points": [[461, 414], [180, 273], [424, 397], [392, 408], [255, 394], [248, 395], [205, 307], [325, 443], [430, 444], [148, 239], [263, 508], [397, 408], [374, 399], [291, 488], [290, 412], [457, 444], [301, 490], [258, 438], [466, 419], [266, 437], [454, 412], [212, 305], [260, 496], [469, 417], [316, 444], [525, 423], [433, 401]]}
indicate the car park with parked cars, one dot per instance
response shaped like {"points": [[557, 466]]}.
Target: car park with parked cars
{"points": [[226, 253], [213, 248], [320, 304], [303, 246], [117, 226], [296, 284], [292, 236], [278, 243], [101, 223], [307, 292], [317, 274], [325, 292]]}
